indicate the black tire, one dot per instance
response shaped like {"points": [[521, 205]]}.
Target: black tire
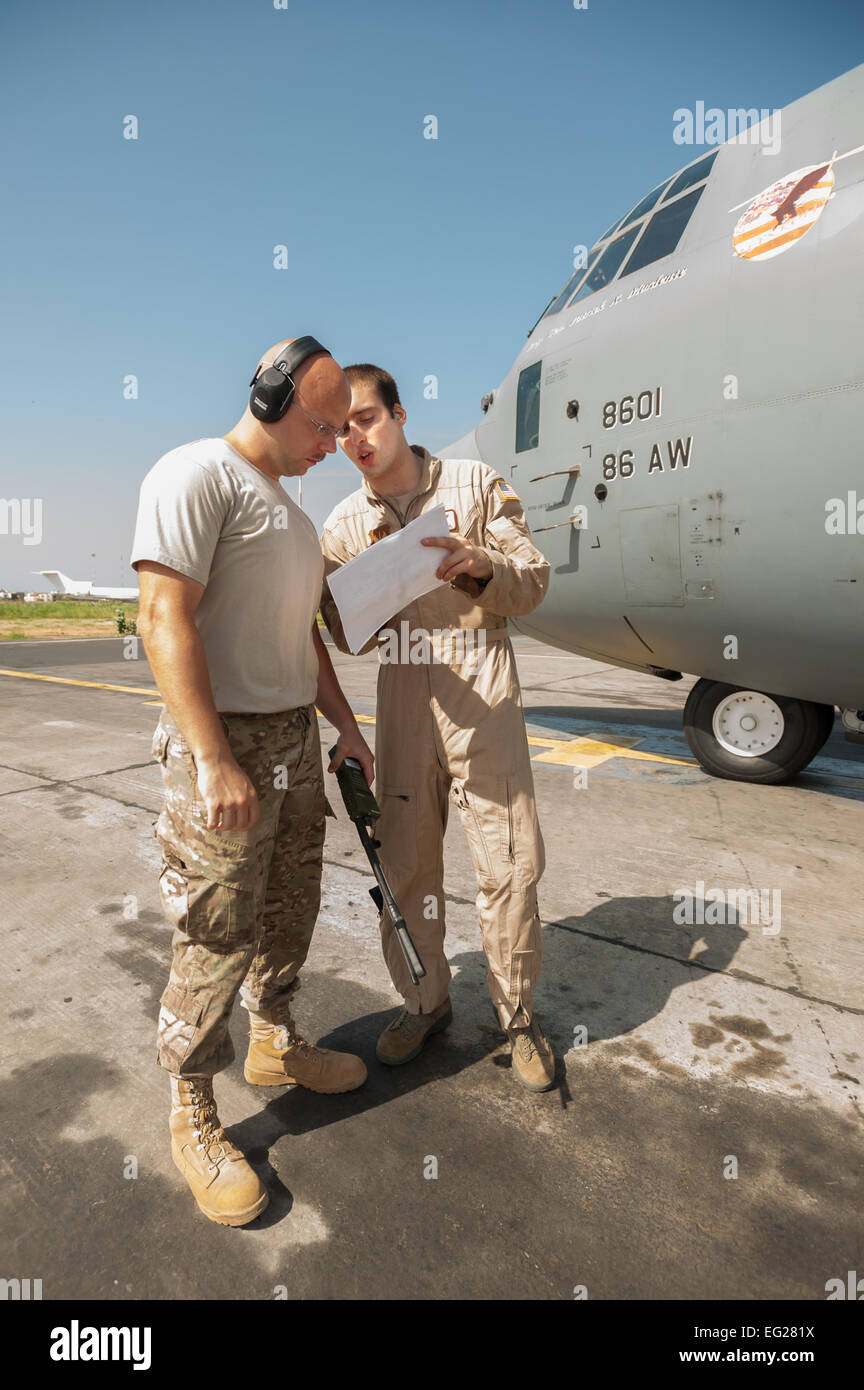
{"points": [[828, 713], [806, 728]]}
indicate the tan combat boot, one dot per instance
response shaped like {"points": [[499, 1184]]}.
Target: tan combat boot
{"points": [[278, 1057], [404, 1038], [532, 1058], [222, 1182]]}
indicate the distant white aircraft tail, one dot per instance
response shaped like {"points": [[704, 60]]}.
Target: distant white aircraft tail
{"points": [[81, 587], [63, 584]]}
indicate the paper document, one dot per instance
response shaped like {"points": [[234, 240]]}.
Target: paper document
{"points": [[376, 585]]}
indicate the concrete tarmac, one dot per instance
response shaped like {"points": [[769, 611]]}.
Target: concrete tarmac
{"points": [[704, 1137]]}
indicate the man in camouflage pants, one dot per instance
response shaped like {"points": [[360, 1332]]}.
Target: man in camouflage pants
{"points": [[251, 904], [230, 573]]}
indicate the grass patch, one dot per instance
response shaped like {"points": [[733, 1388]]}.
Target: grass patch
{"points": [[71, 610], [23, 622]]}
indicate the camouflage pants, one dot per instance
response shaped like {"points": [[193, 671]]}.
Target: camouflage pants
{"points": [[243, 903]]}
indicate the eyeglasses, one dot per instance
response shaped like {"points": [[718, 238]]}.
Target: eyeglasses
{"points": [[325, 431]]}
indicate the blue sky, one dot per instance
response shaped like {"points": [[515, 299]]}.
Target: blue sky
{"points": [[303, 126]]}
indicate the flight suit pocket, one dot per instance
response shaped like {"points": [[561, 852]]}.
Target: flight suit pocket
{"points": [[481, 816], [397, 827], [212, 900]]}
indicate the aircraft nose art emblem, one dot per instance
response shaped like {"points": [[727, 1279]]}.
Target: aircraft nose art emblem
{"points": [[780, 215]]}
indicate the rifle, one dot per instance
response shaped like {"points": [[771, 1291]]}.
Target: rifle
{"points": [[364, 810]]}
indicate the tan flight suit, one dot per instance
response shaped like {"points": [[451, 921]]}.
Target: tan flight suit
{"points": [[454, 727]]}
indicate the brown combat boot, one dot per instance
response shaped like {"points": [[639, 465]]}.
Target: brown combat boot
{"points": [[404, 1038], [531, 1057], [225, 1187], [278, 1057]]}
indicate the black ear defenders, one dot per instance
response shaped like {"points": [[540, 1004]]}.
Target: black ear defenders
{"points": [[273, 389]]}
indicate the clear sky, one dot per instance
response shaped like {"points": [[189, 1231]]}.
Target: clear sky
{"points": [[303, 126]]}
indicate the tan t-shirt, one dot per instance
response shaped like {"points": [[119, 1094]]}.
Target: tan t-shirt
{"points": [[207, 512], [402, 502]]}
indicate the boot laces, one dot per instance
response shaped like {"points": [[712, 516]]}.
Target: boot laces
{"points": [[205, 1122], [526, 1044], [526, 1041], [407, 1024], [285, 1037]]}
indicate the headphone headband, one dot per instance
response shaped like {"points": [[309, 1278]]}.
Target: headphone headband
{"points": [[273, 388]]}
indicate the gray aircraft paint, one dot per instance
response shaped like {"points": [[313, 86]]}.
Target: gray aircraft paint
{"points": [[735, 543]]}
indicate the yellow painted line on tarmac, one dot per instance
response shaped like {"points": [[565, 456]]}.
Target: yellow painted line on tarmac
{"points": [[572, 752], [590, 752], [67, 680], [582, 752]]}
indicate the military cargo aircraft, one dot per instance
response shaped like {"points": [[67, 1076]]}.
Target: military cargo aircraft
{"points": [[684, 426]]}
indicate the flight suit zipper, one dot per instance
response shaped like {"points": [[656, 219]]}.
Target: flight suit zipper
{"points": [[511, 856]]}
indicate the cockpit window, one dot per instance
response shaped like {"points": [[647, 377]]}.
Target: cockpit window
{"points": [[664, 231], [606, 235], [695, 174], [661, 233], [646, 204], [607, 266], [568, 288], [528, 408]]}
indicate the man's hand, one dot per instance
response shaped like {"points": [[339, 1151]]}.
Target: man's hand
{"points": [[229, 796], [464, 558], [352, 744]]}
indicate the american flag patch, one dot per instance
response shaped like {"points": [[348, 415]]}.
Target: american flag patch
{"points": [[506, 490]]}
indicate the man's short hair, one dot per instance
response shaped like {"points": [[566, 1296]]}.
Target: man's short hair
{"points": [[383, 383]]}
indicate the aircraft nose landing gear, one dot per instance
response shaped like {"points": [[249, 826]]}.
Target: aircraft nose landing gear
{"points": [[750, 736]]}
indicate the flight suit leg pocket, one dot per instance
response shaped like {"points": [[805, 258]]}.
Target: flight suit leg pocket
{"points": [[397, 828], [521, 830], [481, 812]]}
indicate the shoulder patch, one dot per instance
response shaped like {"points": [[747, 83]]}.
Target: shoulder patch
{"points": [[506, 490]]}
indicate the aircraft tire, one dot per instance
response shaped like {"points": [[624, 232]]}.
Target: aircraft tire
{"points": [[828, 712], [804, 727]]}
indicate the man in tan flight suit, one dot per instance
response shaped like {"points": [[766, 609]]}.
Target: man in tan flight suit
{"points": [[449, 719]]}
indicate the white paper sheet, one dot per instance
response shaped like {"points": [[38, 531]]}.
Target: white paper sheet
{"points": [[377, 584]]}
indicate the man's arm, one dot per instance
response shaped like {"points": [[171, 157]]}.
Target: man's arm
{"points": [[507, 574], [168, 601], [333, 705]]}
